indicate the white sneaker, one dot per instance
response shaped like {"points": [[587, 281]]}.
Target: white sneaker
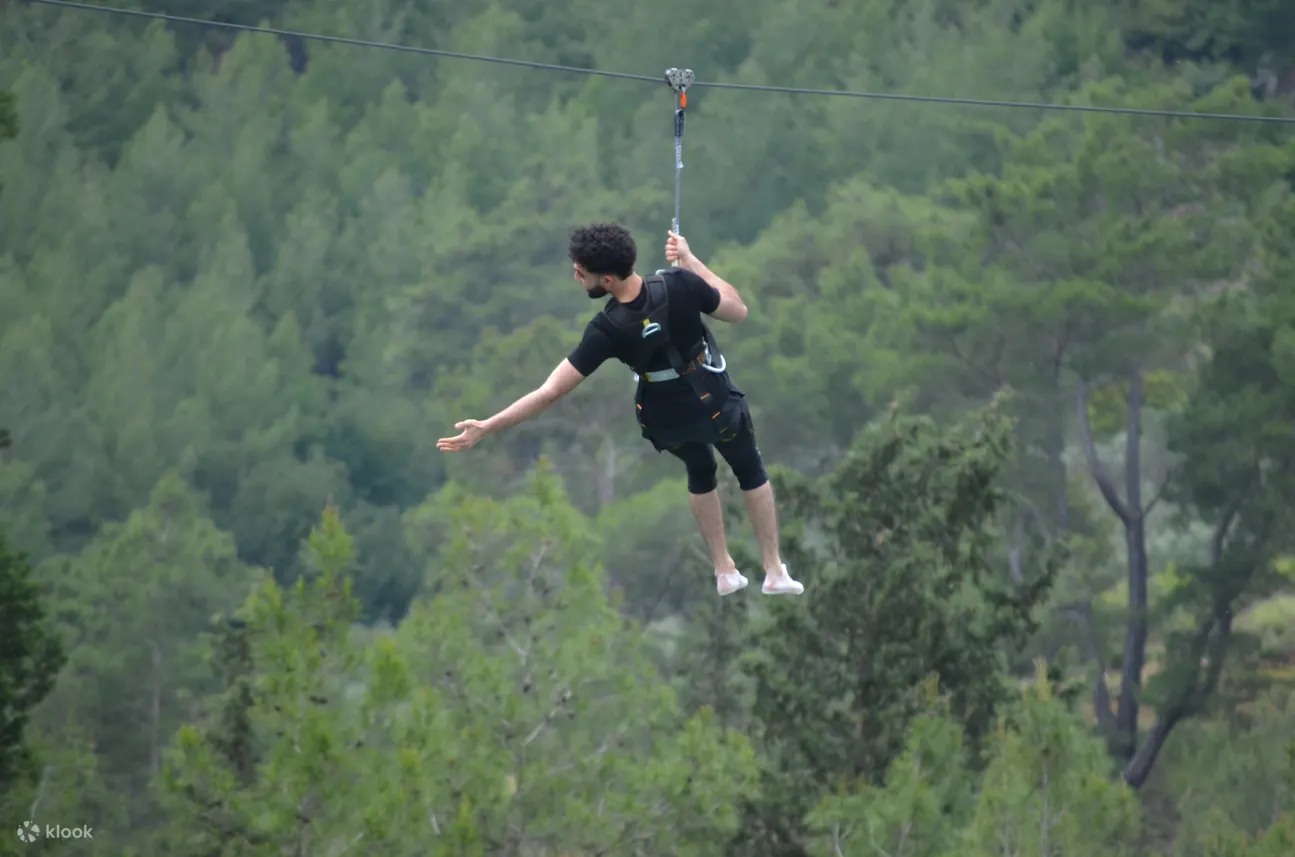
{"points": [[781, 584], [729, 583]]}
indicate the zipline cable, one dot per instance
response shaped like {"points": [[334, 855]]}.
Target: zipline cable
{"points": [[344, 40], [1021, 105], [656, 79]]}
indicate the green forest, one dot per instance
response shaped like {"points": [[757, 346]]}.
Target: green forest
{"points": [[249, 277]]}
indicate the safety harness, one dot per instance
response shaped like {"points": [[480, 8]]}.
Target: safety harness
{"points": [[646, 333]]}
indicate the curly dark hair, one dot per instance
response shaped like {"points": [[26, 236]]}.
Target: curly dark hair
{"points": [[604, 248]]}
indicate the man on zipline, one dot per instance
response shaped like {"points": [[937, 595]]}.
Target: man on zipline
{"points": [[685, 404]]}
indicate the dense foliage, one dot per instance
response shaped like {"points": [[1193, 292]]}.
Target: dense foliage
{"points": [[1024, 379]]}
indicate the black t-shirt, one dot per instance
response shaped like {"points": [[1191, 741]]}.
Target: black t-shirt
{"points": [[690, 296]]}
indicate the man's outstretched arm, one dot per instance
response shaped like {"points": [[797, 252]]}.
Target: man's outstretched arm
{"points": [[562, 380]]}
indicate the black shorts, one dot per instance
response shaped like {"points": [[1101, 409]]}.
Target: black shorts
{"points": [[741, 454]]}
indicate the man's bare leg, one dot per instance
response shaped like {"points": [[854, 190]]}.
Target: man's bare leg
{"points": [[709, 512], [764, 520]]}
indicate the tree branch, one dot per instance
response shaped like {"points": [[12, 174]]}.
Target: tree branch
{"points": [[1099, 474], [537, 559], [522, 653], [1155, 498], [1222, 530], [1214, 671], [355, 840], [1195, 693], [1189, 697], [548, 717]]}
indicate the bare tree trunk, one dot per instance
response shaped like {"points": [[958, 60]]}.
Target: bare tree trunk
{"points": [[1209, 647], [1135, 633], [1143, 761], [1213, 636], [1131, 513]]}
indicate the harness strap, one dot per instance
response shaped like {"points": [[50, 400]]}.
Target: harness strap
{"points": [[694, 379], [689, 366]]}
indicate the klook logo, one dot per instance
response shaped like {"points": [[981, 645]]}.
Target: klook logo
{"points": [[30, 832]]}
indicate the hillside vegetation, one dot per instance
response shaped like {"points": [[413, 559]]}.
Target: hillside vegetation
{"points": [[1025, 379]]}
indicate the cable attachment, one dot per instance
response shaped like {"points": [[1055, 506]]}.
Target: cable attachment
{"points": [[679, 79]]}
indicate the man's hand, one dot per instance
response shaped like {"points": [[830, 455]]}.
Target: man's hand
{"points": [[472, 431], [677, 250]]}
